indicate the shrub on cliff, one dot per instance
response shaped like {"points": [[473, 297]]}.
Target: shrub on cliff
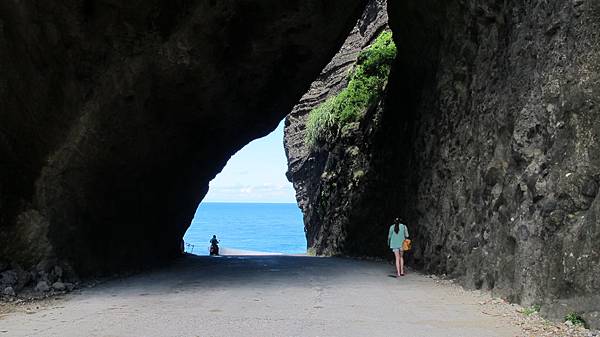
{"points": [[365, 86]]}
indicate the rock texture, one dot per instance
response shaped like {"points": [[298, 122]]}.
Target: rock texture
{"points": [[503, 158], [115, 116], [335, 171], [487, 143]]}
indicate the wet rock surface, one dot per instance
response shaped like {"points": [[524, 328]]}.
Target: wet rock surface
{"points": [[486, 144], [115, 116]]}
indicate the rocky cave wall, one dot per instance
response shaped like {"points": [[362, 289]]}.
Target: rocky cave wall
{"points": [[115, 116], [486, 143]]}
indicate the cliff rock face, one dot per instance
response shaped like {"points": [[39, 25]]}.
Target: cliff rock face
{"points": [[487, 144], [315, 172], [115, 116]]}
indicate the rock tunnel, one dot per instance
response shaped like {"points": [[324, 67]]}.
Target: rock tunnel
{"points": [[114, 118]]}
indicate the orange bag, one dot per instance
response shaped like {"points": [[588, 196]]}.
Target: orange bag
{"points": [[406, 245]]}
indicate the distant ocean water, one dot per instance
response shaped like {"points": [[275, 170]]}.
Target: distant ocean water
{"points": [[275, 228]]}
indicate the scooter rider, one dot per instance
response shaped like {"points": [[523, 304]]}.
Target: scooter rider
{"points": [[214, 246]]}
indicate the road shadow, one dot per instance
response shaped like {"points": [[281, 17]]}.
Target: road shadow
{"points": [[192, 271]]}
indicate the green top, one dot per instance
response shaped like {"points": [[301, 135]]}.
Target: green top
{"points": [[396, 240]]}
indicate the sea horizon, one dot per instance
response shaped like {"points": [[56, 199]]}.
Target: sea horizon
{"points": [[269, 227]]}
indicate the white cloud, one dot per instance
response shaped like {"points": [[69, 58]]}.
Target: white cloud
{"points": [[265, 192], [255, 174]]}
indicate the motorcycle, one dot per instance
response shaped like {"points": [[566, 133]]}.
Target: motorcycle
{"points": [[213, 250]]}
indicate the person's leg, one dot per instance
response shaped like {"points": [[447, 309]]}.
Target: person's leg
{"points": [[401, 256], [397, 254]]}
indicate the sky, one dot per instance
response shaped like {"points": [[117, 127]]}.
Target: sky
{"points": [[256, 173]]}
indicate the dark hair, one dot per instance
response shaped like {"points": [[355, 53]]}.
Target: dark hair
{"points": [[396, 228]]}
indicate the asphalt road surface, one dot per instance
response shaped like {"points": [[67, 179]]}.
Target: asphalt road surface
{"points": [[261, 296]]}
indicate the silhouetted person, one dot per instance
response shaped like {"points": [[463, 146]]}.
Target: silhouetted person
{"points": [[214, 246]]}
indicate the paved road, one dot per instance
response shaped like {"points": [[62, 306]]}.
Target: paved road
{"points": [[262, 296]]}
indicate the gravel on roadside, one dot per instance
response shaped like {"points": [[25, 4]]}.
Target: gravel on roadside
{"points": [[530, 323]]}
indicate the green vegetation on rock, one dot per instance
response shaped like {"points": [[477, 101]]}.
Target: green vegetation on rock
{"points": [[365, 86], [575, 319], [534, 309]]}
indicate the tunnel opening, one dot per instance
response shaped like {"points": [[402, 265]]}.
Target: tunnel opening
{"points": [[105, 170], [250, 206]]}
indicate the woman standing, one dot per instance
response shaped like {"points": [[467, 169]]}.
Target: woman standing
{"points": [[396, 236]]}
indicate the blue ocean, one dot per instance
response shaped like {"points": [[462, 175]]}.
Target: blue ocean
{"points": [[274, 228]]}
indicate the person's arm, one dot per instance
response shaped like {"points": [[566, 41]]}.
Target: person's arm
{"points": [[389, 236], [406, 232]]}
